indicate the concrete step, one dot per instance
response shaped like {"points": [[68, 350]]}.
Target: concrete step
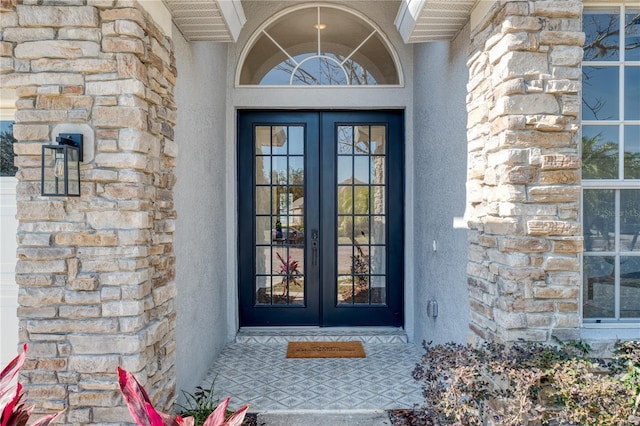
{"points": [[315, 334], [324, 418]]}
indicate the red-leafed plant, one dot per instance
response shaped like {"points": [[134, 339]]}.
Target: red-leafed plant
{"points": [[13, 411], [289, 271], [145, 414]]}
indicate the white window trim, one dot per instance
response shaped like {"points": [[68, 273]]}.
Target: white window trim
{"points": [[623, 328], [261, 30]]}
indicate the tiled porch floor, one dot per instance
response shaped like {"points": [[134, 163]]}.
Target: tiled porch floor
{"points": [[259, 374]]}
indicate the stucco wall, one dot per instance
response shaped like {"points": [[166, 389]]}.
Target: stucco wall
{"points": [[440, 150], [201, 229]]}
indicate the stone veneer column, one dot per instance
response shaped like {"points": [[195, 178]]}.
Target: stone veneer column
{"points": [[523, 184], [96, 273]]}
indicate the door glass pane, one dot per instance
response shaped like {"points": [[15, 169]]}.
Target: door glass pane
{"points": [[263, 260], [263, 229], [377, 199], [263, 200], [362, 140], [345, 255], [360, 165], [263, 170], [599, 287], [345, 169], [296, 170], [279, 140], [345, 198], [377, 170], [263, 290], [361, 199], [279, 167], [378, 140], [378, 230], [296, 140], [263, 140], [279, 215], [378, 261], [362, 230], [378, 287], [361, 170], [345, 229]]}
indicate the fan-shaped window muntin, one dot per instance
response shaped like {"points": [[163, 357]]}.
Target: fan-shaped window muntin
{"points": [[319, 45]]}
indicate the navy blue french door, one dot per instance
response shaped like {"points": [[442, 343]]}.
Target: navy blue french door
{"points": [[320, 218]]}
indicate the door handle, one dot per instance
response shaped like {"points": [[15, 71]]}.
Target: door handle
{"points": [[314, 247]]}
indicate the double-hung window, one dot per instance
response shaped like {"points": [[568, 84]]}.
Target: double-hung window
{"points": [[611, 165]]}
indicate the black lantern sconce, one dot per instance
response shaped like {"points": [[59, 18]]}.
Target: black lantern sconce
{"points": [[61, 166]]}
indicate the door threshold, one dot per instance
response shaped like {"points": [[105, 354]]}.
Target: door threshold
{"points": [[331, 334]]}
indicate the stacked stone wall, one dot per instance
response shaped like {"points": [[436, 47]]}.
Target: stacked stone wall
{"points": [[95, 273], [523, 184]]}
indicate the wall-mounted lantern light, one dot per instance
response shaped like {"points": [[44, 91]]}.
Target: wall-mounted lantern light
{"points": [[61, 166]]}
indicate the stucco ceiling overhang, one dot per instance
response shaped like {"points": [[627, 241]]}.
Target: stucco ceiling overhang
{"points": [[417, 20], [420, 21], [207, 20]]}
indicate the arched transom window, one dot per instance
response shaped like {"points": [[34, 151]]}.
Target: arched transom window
{"points": [[319, 45]]}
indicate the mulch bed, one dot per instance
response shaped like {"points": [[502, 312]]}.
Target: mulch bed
{"points": [[251, 419], [409, 418]]}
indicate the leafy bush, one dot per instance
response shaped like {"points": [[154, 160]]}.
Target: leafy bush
{"points": [[199, 404], [13, 411], [527, 383]]}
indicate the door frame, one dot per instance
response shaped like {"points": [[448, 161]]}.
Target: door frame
{"points": [[320, 123], [310, 98]]}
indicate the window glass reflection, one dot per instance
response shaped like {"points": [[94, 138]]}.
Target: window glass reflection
{"points": [[7, 140], [598, 287], [319, 45], [632, 93], [600, 152], [602, 35], [599, 213], [632, 35], [629, 219], [600, 93], [630, 287]]}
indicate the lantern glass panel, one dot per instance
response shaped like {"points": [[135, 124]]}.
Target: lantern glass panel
{"points": [[60, 171], [73, 171]]}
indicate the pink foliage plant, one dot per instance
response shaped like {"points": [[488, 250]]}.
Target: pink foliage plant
{"points": [[145, 414], [13, 411]]}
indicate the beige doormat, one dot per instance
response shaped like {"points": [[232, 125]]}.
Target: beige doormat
{"points": [[325, 350]]}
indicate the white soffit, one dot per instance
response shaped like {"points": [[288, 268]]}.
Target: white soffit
{"points": [[208, 20], [421, 21]]}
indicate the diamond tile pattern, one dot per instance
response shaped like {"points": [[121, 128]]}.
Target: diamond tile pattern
{"points": [[259, 374], [310, 334]]}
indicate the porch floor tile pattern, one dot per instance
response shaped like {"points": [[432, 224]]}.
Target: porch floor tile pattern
{"points": [[309, 334], [259, 374]]}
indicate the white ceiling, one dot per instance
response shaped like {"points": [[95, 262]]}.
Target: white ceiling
{"points": [[418, 20], [422, 21], [207, 20]]}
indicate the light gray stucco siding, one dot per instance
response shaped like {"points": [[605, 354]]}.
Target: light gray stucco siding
{"points": [[440, 152], [201, 228]]}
